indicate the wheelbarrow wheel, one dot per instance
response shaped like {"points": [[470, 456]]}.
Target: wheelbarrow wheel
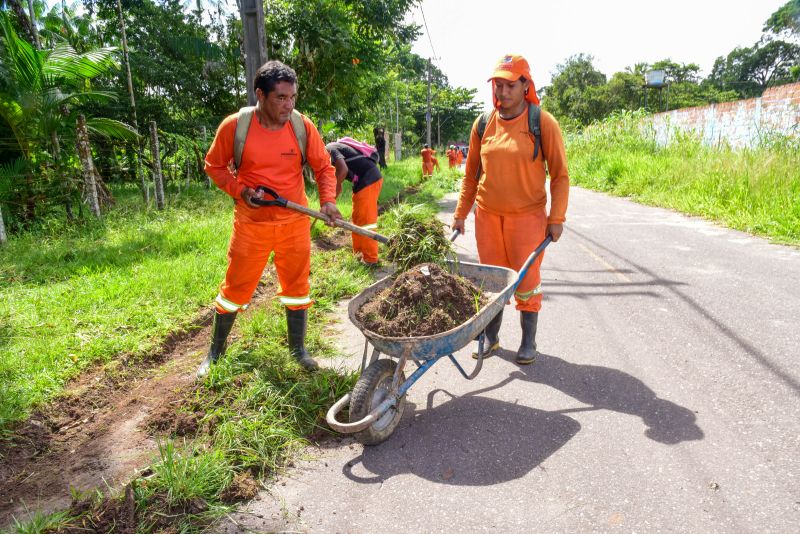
{"points": [[371, 389]]}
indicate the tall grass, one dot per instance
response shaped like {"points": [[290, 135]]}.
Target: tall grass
{"points": [[756, 189]]}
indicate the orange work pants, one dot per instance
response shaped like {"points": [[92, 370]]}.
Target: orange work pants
{"points": [[427, 169], [365, 215], [507, 241], [250, 247]]}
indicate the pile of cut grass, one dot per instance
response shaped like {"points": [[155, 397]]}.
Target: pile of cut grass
{"points": [[417, 238]]}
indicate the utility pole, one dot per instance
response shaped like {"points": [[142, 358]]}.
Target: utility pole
{"points": [[255, 42], [398, 137], [428, 113]]}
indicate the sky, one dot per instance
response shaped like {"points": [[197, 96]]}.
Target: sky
{"points": [[469, 36]]}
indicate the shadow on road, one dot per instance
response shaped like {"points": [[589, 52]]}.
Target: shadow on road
{"points": [[604, 388], [474, 440], [467, 441]]}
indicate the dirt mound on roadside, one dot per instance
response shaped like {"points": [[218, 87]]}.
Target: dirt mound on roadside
{"points": [[423, 301], [243, 487]]}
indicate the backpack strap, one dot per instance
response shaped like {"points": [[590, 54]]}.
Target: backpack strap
{"points": [[483, 120], [299, 127], [243, 126], [535, 127]]}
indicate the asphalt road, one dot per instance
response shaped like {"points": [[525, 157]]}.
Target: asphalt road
{"points": [[667, 399]]}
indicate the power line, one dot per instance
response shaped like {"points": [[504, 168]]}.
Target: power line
{"points": [[427, 31]]}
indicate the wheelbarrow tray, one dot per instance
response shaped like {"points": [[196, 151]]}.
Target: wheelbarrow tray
{"points": [[496, 283]]}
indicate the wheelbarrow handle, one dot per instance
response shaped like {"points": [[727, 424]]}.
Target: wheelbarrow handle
{"points": [[535, 254], [341, 223], [454, 235]]}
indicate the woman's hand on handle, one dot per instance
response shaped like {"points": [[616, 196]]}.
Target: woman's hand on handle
{"points": [[555, 231], [458, 224], [330, 209]]}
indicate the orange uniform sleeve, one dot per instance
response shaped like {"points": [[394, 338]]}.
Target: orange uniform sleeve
{"points": [[320, 162], [556, 156], [469, 185], [219, 158]]}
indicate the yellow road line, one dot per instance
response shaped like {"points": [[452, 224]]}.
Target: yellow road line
{"points": [[605, 264]]}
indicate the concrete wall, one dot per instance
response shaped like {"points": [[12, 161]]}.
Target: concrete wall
{"points": [[741, 123]]}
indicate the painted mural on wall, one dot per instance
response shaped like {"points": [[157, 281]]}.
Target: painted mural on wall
{"points": [[741, 123]]}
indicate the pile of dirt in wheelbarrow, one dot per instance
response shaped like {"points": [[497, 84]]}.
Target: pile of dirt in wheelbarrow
{"points": [[423, 301]]}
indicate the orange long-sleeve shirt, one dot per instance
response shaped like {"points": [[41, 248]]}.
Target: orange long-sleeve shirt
{"points": [[510, 182], [271, 158], [427, 155]]}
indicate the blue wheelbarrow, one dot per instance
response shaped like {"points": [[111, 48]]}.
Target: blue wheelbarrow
{"points": [[378, 398]]}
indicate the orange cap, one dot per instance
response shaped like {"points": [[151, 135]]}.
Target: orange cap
{"points": [[511, 67]]}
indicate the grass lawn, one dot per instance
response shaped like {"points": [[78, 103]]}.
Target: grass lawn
{"points": [[756, 190]]}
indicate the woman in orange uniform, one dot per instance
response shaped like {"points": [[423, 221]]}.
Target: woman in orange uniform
{"points": [[364, 174], [451, 156], [511, 216], [428, 160]]}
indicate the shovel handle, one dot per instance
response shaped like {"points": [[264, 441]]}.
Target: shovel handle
{"points": [[341, 223]]}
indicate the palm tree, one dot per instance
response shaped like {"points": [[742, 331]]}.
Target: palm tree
{"points": [[41, 94]]}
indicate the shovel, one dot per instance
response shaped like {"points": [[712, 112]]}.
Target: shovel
{"points": [[341, 223]]}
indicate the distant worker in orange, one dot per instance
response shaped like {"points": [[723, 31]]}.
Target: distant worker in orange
{"points": [[505, 174], [459, 156], [266, 145], [363, 172], [451, 156], [428, 161]]}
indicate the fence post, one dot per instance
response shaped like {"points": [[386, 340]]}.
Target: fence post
{"points": [[205, 147], [3, 237], [398, 146], [85, 155], [158, 179]]}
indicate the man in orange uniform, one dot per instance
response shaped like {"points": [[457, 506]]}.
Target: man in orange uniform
{"points": [[459, 157], [271, 157], [428, 159], [363, 172], [451, 156], [511, 218]]}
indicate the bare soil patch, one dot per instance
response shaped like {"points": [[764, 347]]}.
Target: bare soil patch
{"points": [[423, 301]]}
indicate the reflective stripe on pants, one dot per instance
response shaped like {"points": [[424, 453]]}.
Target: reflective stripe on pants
{"points": [[507, 241], [250, 247]]}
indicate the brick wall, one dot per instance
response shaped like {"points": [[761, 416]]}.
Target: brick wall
{"points": [[740, 123]]}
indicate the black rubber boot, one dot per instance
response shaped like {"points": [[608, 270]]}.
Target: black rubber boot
{"points": [[527, 352], [491, 343], [223, 322], [296, 322]]}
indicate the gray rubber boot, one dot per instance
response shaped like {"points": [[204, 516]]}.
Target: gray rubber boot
{"points": [[491, 343], [296, 323], [223, 322], [527, 352]]}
